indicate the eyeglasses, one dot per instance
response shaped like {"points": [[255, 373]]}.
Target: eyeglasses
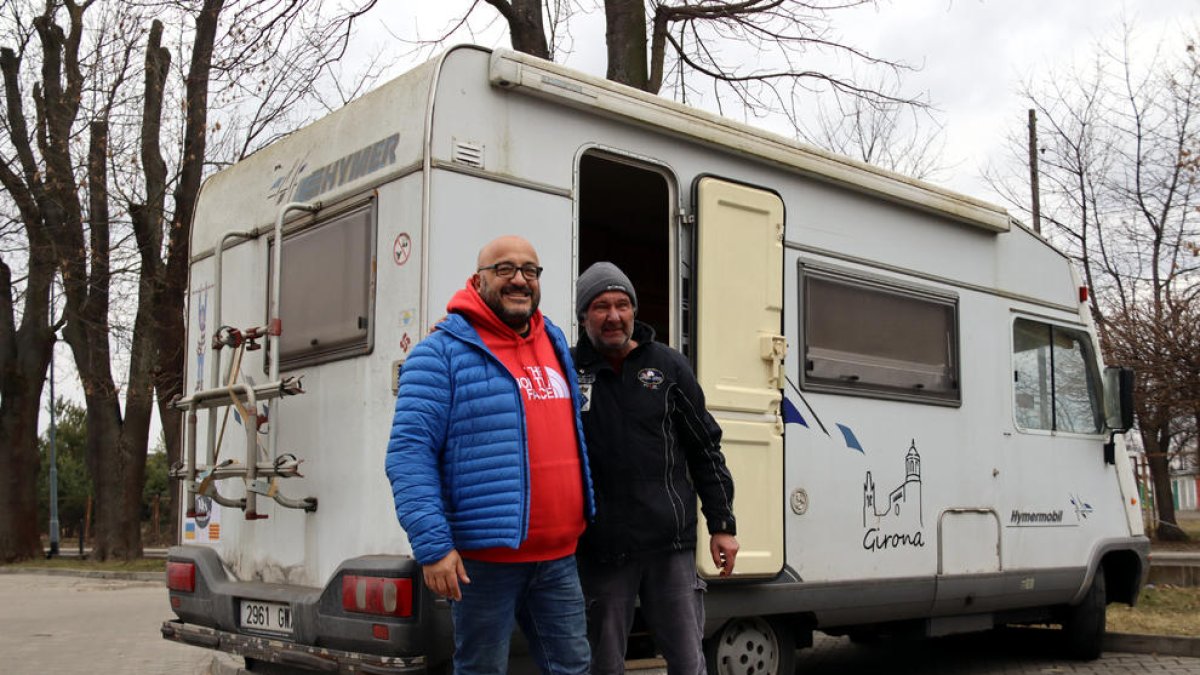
{"points": [[506, 270]]}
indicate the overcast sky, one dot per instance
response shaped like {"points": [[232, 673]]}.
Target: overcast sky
{"points": [[972, 55]]}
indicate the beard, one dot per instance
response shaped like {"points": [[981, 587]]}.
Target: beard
{"points": [[514, 317]]}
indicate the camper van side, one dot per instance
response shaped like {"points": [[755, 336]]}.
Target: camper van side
{"points": [[922, 437]]}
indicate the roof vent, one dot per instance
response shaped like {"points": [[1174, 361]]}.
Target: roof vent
{"points": [[466, 152]]}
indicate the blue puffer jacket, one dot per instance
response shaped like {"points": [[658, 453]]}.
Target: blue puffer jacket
{"points": [[457, 457]]}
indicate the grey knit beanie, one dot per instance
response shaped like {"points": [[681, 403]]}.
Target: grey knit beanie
{"points": [[601, 277]]}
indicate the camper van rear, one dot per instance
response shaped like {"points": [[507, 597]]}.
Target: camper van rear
{"points": [[910, 390]]}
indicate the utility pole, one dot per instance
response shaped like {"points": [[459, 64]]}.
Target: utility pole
{"points": [[1035, 192]]}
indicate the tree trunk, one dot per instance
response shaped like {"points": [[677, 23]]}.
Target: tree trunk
{"points": [[625, 34], [525, 26], [118, 463], [168, 384], [24, 352], [24, 359], [170, 300], [1156, 440]]}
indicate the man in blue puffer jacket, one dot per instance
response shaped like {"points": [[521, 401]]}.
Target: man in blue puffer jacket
{"points": [[489, 470]]}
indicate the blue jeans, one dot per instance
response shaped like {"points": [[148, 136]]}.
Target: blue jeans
{"points": [[543, 597]]}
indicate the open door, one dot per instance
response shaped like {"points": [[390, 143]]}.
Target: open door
{"points": [[739, 348]]}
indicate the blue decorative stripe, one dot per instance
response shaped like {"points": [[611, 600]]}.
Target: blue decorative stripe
{"points": [[791, 415], [851, 440]]}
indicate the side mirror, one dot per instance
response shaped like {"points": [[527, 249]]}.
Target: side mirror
{"points": [[1118, 407], [1118, 398]]}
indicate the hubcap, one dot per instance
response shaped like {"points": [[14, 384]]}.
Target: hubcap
{"points": [[747, 647]]}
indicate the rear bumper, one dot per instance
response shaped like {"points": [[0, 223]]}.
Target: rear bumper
{"points": [[290, 654], [325, 636]]}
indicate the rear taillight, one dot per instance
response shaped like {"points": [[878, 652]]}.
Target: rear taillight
{"points": [[181, 576], [377, 595]]}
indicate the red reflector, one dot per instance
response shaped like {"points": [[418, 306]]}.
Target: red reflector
{"points": [[176, 601], [1083, 293], [380, 631], [377, 595], [181, 576]]}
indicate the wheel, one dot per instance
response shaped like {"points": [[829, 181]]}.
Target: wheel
{"points": [[1083, 625], [751, 646]]}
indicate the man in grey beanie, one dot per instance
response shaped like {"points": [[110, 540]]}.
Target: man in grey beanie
{"points": [[652, 448]]}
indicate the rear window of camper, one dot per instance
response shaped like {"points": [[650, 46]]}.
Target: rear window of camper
{"points": [[326, 291], [1055, 383], [866, 337]]}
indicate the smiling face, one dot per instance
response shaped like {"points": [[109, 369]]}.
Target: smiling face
{"points": [[609, 323], [515, 299]]}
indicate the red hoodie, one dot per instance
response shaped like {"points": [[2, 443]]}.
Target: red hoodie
{"points": [[556, 517]]}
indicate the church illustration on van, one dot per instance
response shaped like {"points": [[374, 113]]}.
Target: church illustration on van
{"points": [[902, 506]]}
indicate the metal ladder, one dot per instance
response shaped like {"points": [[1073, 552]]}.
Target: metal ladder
{"points": [[260, 474]]}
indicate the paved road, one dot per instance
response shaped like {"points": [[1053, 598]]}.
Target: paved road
{"points": [[66, 625], [1024, 651], [1018, 651]]}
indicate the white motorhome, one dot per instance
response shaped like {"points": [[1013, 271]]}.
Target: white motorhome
{"points": [[920, 432]]}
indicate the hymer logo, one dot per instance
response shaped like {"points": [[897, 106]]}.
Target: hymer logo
{"points": [[1035, 517]]}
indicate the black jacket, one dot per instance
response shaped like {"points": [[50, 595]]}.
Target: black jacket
{"points": [[652, 447]]}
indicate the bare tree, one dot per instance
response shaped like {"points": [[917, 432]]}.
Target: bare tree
{"points": [[1119, 191], [752, 52], [116, 157], [27, 271], [888, 134]]}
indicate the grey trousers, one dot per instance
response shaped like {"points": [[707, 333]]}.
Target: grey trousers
{"points": [[672, 601]]}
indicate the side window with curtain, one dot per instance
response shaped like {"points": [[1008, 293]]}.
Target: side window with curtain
{"points": [[1056, 386], [867, 337], [326, 298]]}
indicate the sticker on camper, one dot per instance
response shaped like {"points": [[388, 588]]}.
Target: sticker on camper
{"points": [[405, 343], [347, 169], [284, 184], [402, 248], [201, 342], [407, 316], [895, 520], [205, 527], [1082, 508]]}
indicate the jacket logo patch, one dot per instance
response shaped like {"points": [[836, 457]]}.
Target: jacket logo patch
{"points": [[543, 383], [585, 393], [650, 378], [586, 377]]}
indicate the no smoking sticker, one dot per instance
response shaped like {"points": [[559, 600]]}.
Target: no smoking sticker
{"points": [[402, 248]]}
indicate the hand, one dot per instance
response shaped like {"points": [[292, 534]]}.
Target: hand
{"points": [[442, 577], [724, 549]]}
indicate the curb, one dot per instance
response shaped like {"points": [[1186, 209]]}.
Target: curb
{"points": [[160, 577], [1167, 645]]}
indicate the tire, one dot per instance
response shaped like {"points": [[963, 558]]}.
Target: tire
{"points": [[751, 646], [1083, 625]]}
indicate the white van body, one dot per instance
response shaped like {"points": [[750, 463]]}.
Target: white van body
{"points": [[906, 377]]}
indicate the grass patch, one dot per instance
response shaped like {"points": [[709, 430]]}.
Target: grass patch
{"points": [[139, 565], [1191, 526], [1161, 610]]}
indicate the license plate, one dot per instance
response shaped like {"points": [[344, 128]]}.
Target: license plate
{"points": [[272, 617]]}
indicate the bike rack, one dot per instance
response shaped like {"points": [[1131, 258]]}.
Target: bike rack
{"points": [[261, 469]]}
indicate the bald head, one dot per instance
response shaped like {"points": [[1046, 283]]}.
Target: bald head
{"points": [[503, 249], [514, 298]]}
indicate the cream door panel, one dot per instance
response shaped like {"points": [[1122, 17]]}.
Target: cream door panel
{"points": [[739, 360]]}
